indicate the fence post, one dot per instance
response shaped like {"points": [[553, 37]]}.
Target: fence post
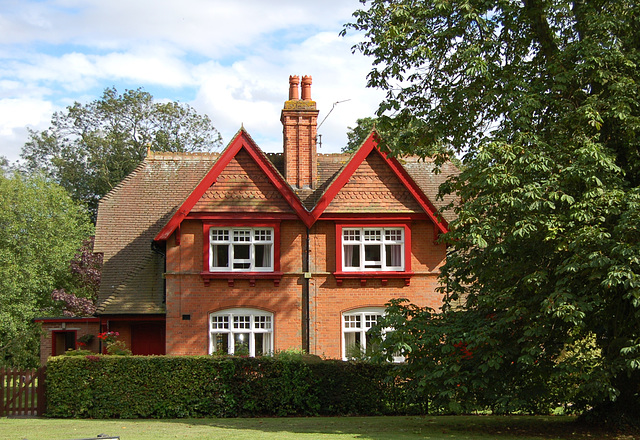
{"points": [[42, 391], [3, 397]]}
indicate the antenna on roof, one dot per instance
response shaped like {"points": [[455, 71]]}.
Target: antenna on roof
{"points": [[325, 118]]}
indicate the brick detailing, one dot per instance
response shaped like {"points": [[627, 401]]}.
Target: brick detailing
{"points": [[242, 186], [374, 187]]}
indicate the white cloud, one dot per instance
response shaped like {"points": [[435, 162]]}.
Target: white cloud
{"points": [[15, 116], [230, 60]]}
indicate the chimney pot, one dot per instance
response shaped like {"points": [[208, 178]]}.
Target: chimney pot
{"points": [[306, 88], [294, 80]]}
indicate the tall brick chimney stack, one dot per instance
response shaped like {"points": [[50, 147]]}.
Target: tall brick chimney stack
{"points": [[299, 128]]}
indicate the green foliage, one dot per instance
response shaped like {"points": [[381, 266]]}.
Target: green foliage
{"points": [[358, 134], [542, 99], [99, 386], [118, 348], [90, 148], [40, 230]]}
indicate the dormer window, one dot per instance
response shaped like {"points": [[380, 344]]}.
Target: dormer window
{"points": [[233, 250], [372, 249], [241, 249], [365, 251]]}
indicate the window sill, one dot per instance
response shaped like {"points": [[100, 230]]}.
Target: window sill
{"points": [[384, 277], [232, 276]]}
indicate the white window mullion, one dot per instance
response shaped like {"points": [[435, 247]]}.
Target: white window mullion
{"points": [[243, 325], [386, 249], [242, 245], [252, 345]]}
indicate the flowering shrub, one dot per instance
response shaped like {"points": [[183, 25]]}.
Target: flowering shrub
{"points": [[118, 348], [86, 339], [73, 305], [114, 346], [86, 270], [108, 337]]}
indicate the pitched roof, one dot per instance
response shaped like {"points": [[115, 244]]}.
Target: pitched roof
{"points": [[129, 217], [152, 201]]}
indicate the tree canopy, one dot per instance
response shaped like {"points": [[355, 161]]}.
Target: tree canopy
{"points": [[41, 229], [358, 134], [542, 101], [90, 148]]}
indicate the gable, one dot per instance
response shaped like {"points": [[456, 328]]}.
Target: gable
{"points": [[242, 187], [380, 175], [375, 188], [231, 165]]}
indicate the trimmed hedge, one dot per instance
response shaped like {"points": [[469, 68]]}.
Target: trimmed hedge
{"points": [[206, 386]]}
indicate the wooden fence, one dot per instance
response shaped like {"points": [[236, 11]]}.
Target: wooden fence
{"points": [[22, 392]]}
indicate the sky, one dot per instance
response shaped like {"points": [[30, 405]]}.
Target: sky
{"points": [[230, 60]]}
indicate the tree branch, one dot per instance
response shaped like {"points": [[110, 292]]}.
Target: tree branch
{"points": [[535, 13]]}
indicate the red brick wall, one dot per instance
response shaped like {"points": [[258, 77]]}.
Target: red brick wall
{"points": [[329, 301], [188, 295], [81, 329]]}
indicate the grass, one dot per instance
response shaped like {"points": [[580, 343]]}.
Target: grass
{"points": [[374, 428]]}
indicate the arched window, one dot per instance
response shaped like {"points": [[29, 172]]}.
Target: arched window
{"points": [[356, 340], [247, 332]]}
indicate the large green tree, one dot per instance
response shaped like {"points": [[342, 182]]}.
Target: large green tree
{"points": [[90, 148], [41, 229], [542, 281]]}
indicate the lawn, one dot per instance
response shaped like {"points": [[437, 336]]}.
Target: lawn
{"points": [[374, 428]]}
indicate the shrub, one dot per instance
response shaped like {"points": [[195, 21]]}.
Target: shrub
{"points": [[100, 386]]}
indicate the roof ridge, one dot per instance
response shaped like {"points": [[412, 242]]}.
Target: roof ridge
{"points": [[186, 155]]}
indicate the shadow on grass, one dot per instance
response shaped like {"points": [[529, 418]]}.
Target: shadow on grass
{"points": [[432, 427]]}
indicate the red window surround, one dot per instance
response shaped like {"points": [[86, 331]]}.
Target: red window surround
{"points": [[383, 276], [231, 276]]}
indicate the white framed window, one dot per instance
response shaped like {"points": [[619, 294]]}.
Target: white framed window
{"points": [[241, 249], [373, 249], [357, 341], [242, 332]]}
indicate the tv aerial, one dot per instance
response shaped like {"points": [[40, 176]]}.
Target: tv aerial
{"points": [[325, 118]]}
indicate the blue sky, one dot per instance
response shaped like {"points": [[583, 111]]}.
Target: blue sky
{"points": [[228, 59]]}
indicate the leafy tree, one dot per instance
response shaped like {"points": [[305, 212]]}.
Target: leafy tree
{"points": [[358, 134], [41, 228], [542, 99], [392, 136], [90, 148]]}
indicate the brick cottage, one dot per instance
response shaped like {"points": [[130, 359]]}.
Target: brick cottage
{"points": [[245, 252]]}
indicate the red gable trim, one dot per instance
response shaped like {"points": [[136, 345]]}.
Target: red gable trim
{"points": [[240, 141], [371, 144]]}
